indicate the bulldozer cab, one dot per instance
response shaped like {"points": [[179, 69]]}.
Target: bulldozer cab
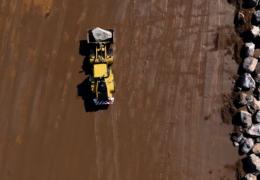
{"points": [[100, 70]]}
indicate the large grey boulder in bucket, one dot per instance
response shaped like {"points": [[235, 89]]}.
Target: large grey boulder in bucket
{"points": [[249, 64], [101, 34]]}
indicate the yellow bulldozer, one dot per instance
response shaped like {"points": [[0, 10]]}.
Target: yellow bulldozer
{"points": [[101, 78]]}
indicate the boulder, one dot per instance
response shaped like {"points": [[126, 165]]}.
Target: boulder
{"points": [[246, 82], [245, 119], [255, 31], [250, 99], [237, 138], [257, 117], [253, 106], [256, 17], [254, 161], [247, 145], [243, 99], [250, 177], [249, 64], [256, 148], [254, 130], [250, 47], [102, 34]]}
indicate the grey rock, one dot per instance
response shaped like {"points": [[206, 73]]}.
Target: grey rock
{"points": [[255, 31], [250, 177], [241, 99], [101, 34], [253, 106], [249, 64], [237, 138], [256, 148], [254, 130], [250, 48], [245, 119], [257, 116], [247, 145], [257, 17], [246, 82], [255, 162]]}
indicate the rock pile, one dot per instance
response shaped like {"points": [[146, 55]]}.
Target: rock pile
{"points": [[247, 119]]}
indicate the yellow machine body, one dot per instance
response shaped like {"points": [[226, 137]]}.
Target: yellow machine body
{"points": [[100, 70], [102, 83]]}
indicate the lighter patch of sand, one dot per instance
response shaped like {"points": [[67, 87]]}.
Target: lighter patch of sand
{"points": [[44, 5]]}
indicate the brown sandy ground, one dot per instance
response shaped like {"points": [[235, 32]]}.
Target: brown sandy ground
{"points": [[172, 70]]}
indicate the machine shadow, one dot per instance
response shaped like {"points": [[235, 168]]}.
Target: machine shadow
{"points": [[84, 88]]}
